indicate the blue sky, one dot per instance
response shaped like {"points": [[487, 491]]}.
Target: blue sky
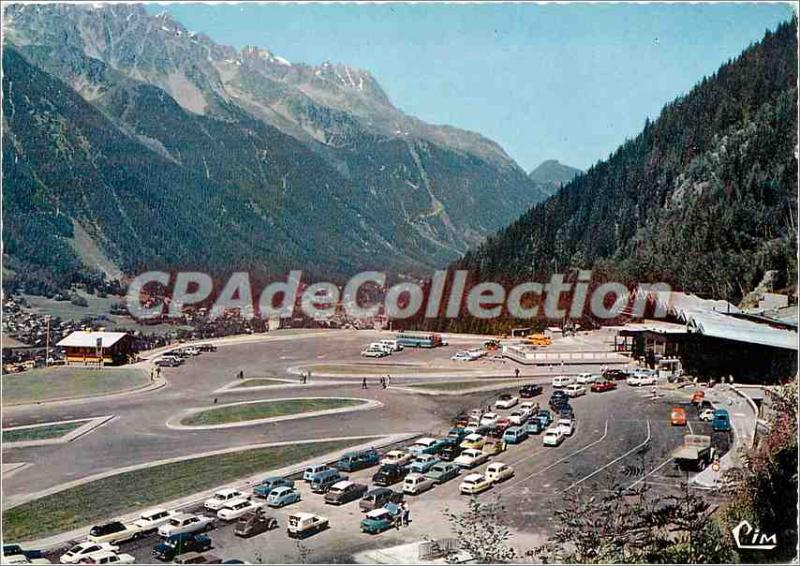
{"points": [[566, 81]]}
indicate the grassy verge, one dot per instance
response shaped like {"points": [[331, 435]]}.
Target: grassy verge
{"points": [[264, 410], [259, 382], [128, 491], [44, 432], [461, 385], [68, 382]]}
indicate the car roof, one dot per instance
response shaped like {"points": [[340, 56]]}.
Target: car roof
{"points": [[236, 501], [395, 453], [473, 477], [180, 515], [152, 512], [342, 484], [495, 465], [226, 492], [302, 515], [281, 489], [426, 440], [377, 513], [473, 436]]}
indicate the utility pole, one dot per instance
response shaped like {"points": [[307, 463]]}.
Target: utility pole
{"points": [[47, 343]]}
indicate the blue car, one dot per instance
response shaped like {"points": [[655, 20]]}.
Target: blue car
{"points": [[423, 463], [515, 435], [358, 460], [282, 496], [544, 417], [721, 421], [265, 487], [534, 426]]}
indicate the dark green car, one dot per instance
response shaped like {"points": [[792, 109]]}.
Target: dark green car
{"points": [[443, 471], [379, 520]]}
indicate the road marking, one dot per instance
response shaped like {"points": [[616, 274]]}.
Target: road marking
{"points": [[689, 424], [612, 462], [651, 472], [567, 457]]}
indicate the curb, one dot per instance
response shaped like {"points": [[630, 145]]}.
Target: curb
{"points": [[367, 405], [487, 387], [194, 499], [91, 424]]}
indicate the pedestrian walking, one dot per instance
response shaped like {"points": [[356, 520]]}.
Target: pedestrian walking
{"points": [[382, 382], [516, 373], [241, 374], [388, 380], [364, 383], [406, 514], [215, 400]]}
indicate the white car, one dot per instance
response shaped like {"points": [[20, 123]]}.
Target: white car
{"points": [[222, 497], [575, 390], [498, 471], [553, 436], [185, 523], [567, 426], [152, 519], [414, 484], [397, 457], [474, 483], [489, 419], [374, 353], [236, 508], [110, 557], [85, 550], [114, 532], [562, 381], [529, 406], [518, 417], [707, 415], [639, 380], [585, 378], [470, 458], [506, 401], [461, 357]]}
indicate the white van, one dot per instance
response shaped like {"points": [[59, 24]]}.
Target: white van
{"points": [[393, 345], [414, 484], [380, 346], [562, 381]]}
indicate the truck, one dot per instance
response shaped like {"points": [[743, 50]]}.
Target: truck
{"points": [[301, 525], [696, 452]]}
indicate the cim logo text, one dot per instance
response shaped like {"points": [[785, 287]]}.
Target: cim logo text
{"points": [[748, 537]]}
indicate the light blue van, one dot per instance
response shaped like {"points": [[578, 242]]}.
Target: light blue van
{"points": [[515, 435], [313, 470]]}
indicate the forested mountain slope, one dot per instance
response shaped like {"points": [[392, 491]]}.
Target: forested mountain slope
{"points": [[703, 198]]}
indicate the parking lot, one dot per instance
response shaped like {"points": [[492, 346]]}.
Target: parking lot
{"points": [[623, 437]]}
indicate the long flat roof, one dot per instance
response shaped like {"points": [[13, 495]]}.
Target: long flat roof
{"points": [[83, 339], [718, 325]]}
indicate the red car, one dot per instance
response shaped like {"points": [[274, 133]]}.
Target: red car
{"points": [[601, 386], [500, 427]]}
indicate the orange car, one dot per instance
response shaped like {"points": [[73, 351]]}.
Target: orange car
{"points": [[697, 397], [678, 416]]}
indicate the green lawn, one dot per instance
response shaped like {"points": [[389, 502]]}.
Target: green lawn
{"points": [[260, 382], [123, 493], [59, 382], [265, 409], [44, 432], [460, 385]]}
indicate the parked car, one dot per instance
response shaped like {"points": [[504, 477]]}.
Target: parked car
{"points": [[344, 492], [678, 416], [237, 508], [378, 497], [312, 471], [358, 460], [473, 440], [515, 435], [697, 397], [557, 398], [544, 417], [177, 544], [506, 401], [455, 435], [14, 554], [721, 421], [603, 386], [518, 417], [266, 486], [528, 391], [114, 532], [450, 452], [473, 484], [498, 471], [301, 525], [534, 426], [489, 419], [325, 480], [565, 411], [615, 374], [374, 352], [562, 381], [639, 380], [553, 436], [109, 557], [197, 558], [584, 378], [283, 496], [423, 463], [396, 457], [470, 458], [414, 484], [84, 550], [152, 519], [254, 523], [493, 446], [502, 424], [575, 390], [443, 471], [567, 426], [220, 498], [181, 523], [388, 474], [426, 446], [378, 520]]}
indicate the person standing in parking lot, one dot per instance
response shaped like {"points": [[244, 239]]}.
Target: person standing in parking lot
{"points": [[364, 383]]}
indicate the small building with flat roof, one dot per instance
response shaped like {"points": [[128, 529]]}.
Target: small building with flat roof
{"points": [[97, 348]]}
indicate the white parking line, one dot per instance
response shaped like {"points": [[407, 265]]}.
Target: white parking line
{"points": [[567, 457], [689, 424], [612, 462]]}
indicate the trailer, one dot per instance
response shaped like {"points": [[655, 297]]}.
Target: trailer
{"points": [[696, 452]]}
